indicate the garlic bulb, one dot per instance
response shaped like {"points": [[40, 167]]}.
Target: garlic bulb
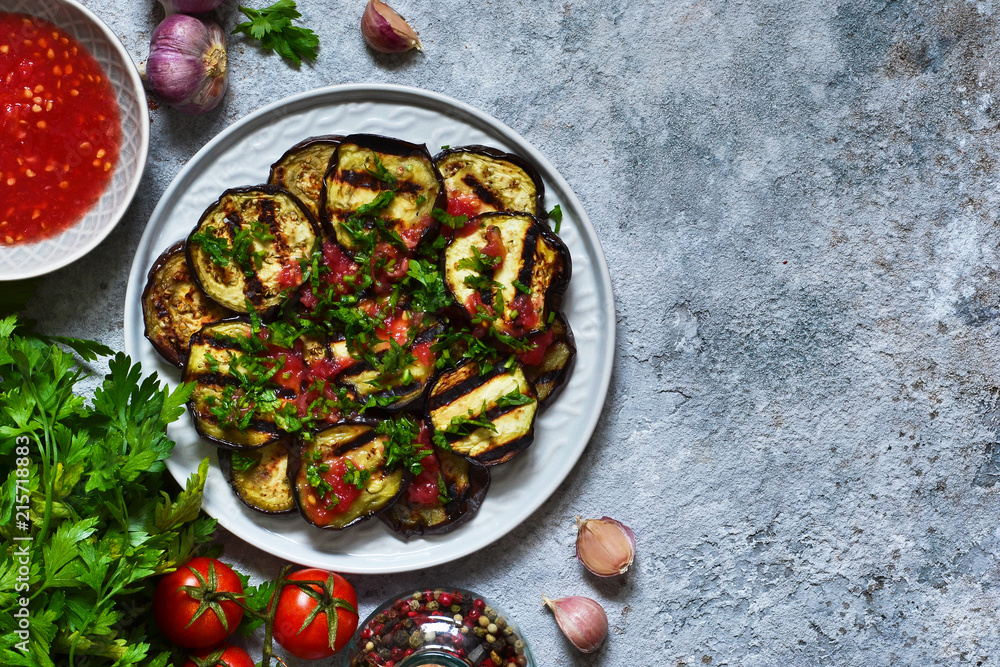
{"points": [[581, 619], [386, 31], [187, 63], [189, 6], [605, 547]]}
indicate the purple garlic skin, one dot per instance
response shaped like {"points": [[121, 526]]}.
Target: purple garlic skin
{"points": [[189, 6], [187, 65], [582, 620], [386, 31]]}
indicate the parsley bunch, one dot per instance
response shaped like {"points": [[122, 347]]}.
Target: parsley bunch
{"points": [[273, 27], [84, 505]]}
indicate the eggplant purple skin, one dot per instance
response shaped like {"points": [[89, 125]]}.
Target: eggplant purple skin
{"points": [[566, 371], [563, 283], [383, 144], [517, 160], [460, 511], [295, 463], [226, 466], [263, 189]]}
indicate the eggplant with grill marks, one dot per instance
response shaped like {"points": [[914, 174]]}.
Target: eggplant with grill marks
{"points": [[396, 378], [447, 493], [479, 179], [339, 477], [510, 271], [247, 247], [260, 477], [550, 374], [487, 417], [374, 179], [227, 406], [174, 307], [301, 169]]}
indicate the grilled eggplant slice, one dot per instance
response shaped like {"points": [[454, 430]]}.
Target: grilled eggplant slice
{"points": [[247, 247], [402, 387], [510, 270], [365, 167], [446, 494], [556, 363], [479, 179], [326, 473], [489, 417], [222, 410], [260, 477], [174, 307], [301, 169]]}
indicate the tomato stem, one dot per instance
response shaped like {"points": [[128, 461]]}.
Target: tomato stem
{"points": [[272, 610]]}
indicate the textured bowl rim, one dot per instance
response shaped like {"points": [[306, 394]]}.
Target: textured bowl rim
{"points": [[34, 270]]}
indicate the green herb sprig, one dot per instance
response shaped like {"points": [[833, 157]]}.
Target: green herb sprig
{"points": [[273, 27], [92, 512]]}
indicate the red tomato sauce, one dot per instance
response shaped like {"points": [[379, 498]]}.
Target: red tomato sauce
{"points": [[423, 490], [60, 127], [344, 493], [494, 244], [464, 205], [527, 315], [536, 355]]}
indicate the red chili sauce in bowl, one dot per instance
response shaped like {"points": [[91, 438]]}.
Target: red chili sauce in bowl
{"points": [[60, 130]]}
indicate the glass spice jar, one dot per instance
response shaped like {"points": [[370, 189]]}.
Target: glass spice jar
{"points": [[441, 627]]}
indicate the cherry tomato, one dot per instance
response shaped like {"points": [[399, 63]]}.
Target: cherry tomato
{"points": [[230, 656], [174, 607], [294, 606]]}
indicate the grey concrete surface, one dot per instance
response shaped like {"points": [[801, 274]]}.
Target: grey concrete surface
{"points": [[798, 203]]}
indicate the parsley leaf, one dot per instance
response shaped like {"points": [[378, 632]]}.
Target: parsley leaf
{"points": [[443, 496], [355, 476], [381, 173], [556, 216], [242, 462], [480, 262], [463, 425], [453, 221], [514, 398], [381, 201], [272, 26], [429, 294], [402, 448], [216, 246]]}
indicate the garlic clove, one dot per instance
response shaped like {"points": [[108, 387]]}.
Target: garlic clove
{"points": [[605, 547], [386, 31], [581, 619]]}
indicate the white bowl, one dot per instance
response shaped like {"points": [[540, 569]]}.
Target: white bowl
{"points": [[35, 259]]}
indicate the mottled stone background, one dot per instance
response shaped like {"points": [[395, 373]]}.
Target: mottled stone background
{"points": [[798, 203]]}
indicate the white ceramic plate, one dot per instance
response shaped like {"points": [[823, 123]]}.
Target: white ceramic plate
{"points": [[35, 259], [241, 155]]}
